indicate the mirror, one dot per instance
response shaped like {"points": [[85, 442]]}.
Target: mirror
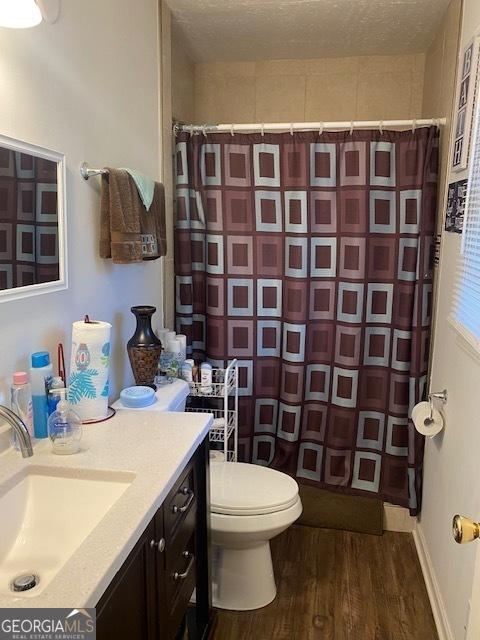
{"points": [[32, 220]]}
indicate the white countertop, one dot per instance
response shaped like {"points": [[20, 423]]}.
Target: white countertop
{"points": [[155, 447]]}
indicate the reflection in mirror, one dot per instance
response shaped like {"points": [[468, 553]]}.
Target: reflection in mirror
{"points": [[31, 220]]}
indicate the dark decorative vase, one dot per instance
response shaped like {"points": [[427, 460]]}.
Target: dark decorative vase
{"points": [[144, 348]]}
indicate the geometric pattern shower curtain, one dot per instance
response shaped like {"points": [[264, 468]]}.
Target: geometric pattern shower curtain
{"points": [[309, 258]]}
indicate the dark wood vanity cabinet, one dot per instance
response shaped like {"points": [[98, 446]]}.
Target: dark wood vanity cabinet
{"points": [[149, 596]]}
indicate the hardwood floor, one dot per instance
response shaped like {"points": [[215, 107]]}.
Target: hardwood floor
{"points": [[338, 585]]}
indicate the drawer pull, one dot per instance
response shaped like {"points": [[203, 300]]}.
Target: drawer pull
{"points": [[186, 506], [160, 545], [182, 576]]}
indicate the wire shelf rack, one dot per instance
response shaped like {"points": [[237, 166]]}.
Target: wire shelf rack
{"points": [[223, 383], [218, 431], [220, 399]]}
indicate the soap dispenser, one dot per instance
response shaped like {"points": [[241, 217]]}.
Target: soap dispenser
{"points": [[64, 426]]}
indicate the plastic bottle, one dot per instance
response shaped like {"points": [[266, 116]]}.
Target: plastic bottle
{"points": [[21, 403], [64, 427], [187, 372], [41, 374], [169, 335], [195, 370], [173, 356], [53, 398], [183, 345], [206, 378]]}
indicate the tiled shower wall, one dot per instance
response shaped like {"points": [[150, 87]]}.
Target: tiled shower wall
{"points": [[356, 88], [183, 81]]}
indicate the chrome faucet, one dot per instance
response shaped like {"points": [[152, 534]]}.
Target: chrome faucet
{"points": [[20, 429]]}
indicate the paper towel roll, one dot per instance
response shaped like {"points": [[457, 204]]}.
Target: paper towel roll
{"points": [[420, 413], [89, 367]]}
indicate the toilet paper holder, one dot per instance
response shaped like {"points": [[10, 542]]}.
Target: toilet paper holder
{"points": [[439, 395]]}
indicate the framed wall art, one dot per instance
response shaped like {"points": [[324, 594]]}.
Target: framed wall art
{"points": [[465, 106]]}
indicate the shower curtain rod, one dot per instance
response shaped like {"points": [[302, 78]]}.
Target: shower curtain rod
{"points": [[307, 126]]}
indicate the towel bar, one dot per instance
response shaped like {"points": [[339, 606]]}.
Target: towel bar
{"points": [[87, 173]]}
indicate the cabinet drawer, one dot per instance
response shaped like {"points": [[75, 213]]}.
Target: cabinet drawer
{"points": [[180, 502], [176, 543], [180, 582]]}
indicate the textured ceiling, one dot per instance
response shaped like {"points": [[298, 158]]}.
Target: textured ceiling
{"points": [[227, 30]]}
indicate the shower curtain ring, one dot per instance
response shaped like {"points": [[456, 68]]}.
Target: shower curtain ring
{"points": [[291, 128], [352, 126], [322, 126], [262, 129], [380, 127], [232, 132], [204, 130], [414, 126]]}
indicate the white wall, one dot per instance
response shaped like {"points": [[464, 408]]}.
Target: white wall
{"points": [[167, 157], [452, 461], [88, 87]]}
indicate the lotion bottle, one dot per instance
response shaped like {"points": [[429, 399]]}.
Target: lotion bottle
{"points": [[21, 403], [206, 374]]}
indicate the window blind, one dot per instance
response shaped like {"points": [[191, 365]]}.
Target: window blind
{"points": [[466, 310]]}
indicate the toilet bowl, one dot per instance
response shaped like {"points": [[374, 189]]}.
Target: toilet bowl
{"points": [[250, 505]]}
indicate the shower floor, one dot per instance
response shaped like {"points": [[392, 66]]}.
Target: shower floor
{"points": [[338, 585]]}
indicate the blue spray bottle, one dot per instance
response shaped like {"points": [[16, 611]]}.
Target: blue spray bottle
{"points": [[41, 373]]}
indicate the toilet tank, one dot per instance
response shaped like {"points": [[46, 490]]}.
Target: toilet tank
{"points": [[170, 397]]}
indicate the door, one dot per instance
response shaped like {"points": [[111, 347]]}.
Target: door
{"points": [[127, 610], [473, 631], [465, 531]]}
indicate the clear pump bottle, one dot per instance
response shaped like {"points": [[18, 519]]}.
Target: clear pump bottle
{"points": [[64, 426]]}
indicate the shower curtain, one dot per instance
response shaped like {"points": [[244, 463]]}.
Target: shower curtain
{"points": [[309, 258]]}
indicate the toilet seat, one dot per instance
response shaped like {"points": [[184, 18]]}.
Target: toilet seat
{"points": [[241, 489]]}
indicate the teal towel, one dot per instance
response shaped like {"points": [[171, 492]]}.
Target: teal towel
{"points": [[145, 186]]}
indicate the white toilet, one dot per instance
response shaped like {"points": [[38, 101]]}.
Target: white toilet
{"points": [[250, 505]]}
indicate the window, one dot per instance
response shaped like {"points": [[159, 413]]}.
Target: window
{"points": [[466, 314]]}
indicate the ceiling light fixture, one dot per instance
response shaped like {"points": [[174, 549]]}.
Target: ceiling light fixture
{"points": [[22, 14]]}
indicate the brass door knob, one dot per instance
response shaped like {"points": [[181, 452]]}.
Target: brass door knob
{"points": [[465, 530]]}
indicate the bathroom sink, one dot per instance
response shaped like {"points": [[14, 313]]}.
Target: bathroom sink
{"points": [[46, 514]]}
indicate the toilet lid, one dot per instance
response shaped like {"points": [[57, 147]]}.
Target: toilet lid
{"points": [[238, 488]]}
